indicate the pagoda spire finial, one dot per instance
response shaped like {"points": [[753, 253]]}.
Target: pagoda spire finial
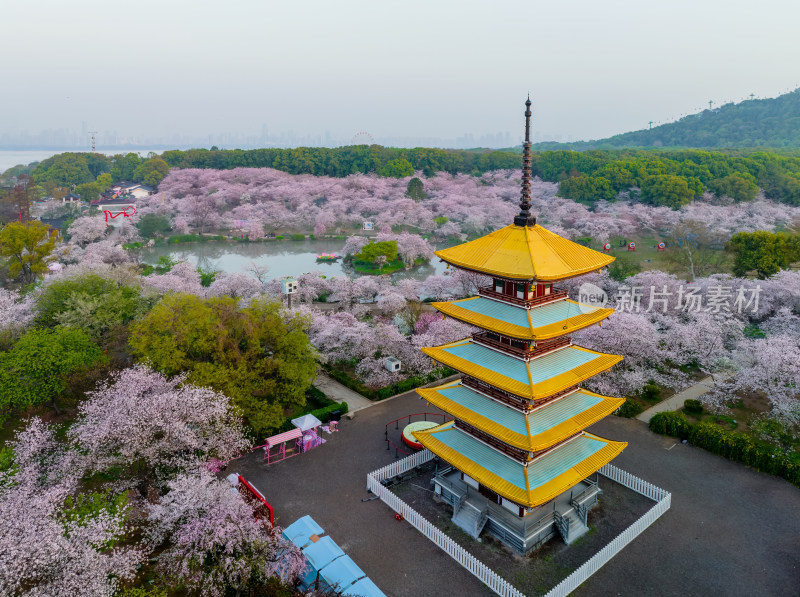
{"points": [[525, 218]]}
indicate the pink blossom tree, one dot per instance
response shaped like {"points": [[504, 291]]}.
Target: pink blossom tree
{"points": [[183, 277], [88, 229], [237, 285], [43, 549], [15, 311], [150, 425], [213, 540], [769, 366]]}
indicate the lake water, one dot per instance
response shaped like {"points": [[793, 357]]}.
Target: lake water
{"points": [[282, 257]]}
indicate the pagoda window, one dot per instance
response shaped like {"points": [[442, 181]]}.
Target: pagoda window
{"points": [[547, 289], [489, 494], [519, 344], [469, 481], [521, 291], [493, 336], [498, 285]]}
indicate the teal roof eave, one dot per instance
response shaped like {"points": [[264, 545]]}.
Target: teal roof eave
{"points": [[539, 421], [543, 368], [540, 471]]}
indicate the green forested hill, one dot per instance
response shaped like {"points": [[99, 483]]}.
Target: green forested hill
{"points": [[771, 122]]}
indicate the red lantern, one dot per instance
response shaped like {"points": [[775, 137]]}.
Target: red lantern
{"points": [[662, 246], [606, 247], [631, 246]]}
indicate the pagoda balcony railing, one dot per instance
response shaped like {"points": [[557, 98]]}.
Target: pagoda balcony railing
{"points": [[540, 349], [522, 527], [490, 292], [510, 399]]}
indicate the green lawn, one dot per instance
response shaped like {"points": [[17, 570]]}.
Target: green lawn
{"points": [[365, 267]]}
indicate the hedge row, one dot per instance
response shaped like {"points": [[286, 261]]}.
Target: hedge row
{"points": [[349, 382], [323, 414], [413, 382], [732, 445], [388, 391]]}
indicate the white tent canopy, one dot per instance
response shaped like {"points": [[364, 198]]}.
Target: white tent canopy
{"points": [[306, 422]]}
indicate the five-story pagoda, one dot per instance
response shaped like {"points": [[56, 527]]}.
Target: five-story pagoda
{"points": [[520, 460]]}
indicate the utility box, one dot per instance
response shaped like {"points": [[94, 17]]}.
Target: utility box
{"points": [[369, 226], [392, 364], [289, 286]]}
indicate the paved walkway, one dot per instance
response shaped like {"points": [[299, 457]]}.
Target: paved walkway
{"points": [[355, 401], [336, 391], [676, 401], [730, 530]]}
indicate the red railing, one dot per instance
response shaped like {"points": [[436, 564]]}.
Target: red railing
{"points": [[490, 292], [542, 347], [255, 494], [407, 418]]}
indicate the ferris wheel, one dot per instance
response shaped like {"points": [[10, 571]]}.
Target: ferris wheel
{"points": [[362, 138]]}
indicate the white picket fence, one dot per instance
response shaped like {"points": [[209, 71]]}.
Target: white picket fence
{"points": [[480, 570], [485, 574], [663, 501]]}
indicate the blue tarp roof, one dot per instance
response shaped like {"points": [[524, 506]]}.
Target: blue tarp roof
{"points": [[334, 566], [341, 573], [364, 588], [300, 531], [322, 553]]}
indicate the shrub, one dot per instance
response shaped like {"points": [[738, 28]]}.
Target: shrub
{"points": [[280, 237], [298, 237], [349, 382], [324, 414], [732, 445], [316, 398], [693, 407], [651, 392], [413, 382], [629, 409], [44, 365], [152, 225], [671, 423], [207, 276]]}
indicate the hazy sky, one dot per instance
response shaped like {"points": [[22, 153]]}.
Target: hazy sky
{"points": [[419, 68]]}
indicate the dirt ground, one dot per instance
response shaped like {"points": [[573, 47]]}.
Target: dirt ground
{"points": [[544, 568]]}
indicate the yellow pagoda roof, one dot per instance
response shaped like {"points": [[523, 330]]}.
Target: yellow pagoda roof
{"points": [[534, 379], [525, 253], [533, 431], [538, 323], [543, 479]]}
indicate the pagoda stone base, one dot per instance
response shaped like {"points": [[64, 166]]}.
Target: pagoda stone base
{"points": [[474, 513]]}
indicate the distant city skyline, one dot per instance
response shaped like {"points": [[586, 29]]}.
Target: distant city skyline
{"points": [[81, 139], [449, 74]]}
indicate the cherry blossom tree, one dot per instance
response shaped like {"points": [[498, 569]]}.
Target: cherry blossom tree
{"points": [[183, 277], [769, 366], [15, 311], [150, 425], [43, 550], [354, 244], [87, 229], [213, 540], [391, 303], [473, 205], [236, 285], [106, 251]]}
